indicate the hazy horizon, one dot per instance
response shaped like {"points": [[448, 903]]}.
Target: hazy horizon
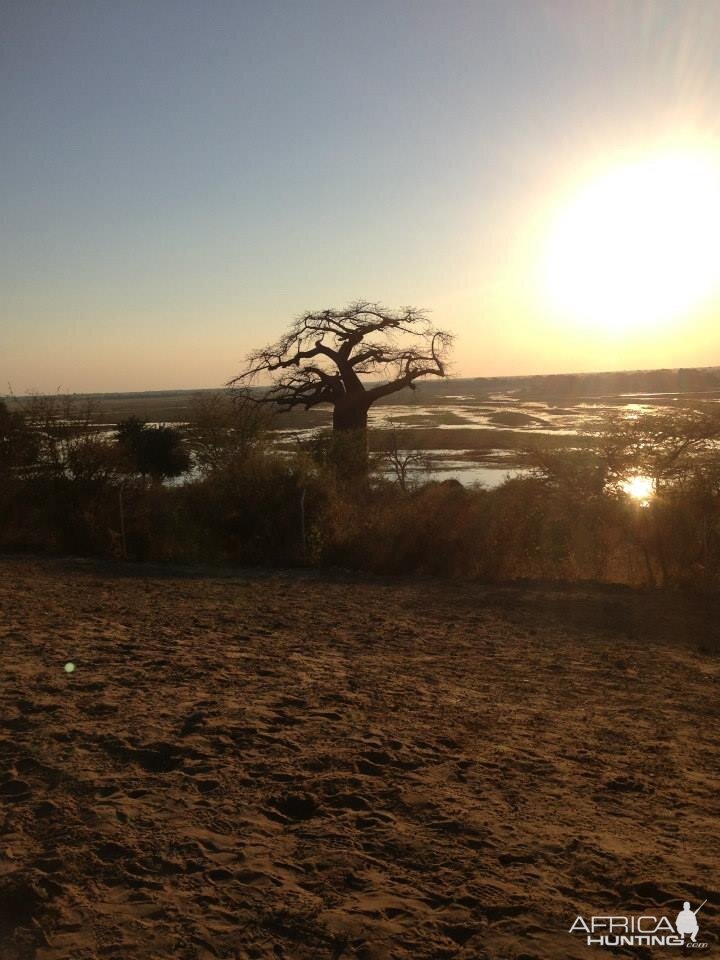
{"points": [[180, 183], [432, 381]]}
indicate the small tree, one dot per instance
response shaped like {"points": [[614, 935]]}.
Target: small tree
{"points": [[403, 455], [349, 359], [224, 431], [19, 445], [153, 451], [663, 446]]}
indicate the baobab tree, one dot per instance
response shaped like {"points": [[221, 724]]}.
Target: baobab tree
{"points": [[348, 358]]}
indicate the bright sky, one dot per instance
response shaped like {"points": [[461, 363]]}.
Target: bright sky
{"points": [[180, 179]]}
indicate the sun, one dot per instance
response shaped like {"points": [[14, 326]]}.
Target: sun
{"points": [[639, 246]]}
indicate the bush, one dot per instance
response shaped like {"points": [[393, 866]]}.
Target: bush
{"points": [[152, 451], [68, 488], [248, 513]]}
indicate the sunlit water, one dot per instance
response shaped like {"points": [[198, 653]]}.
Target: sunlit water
{"points": [[501, 414], [468, 474]]}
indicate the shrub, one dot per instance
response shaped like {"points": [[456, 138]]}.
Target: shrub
{"points": [[152, 451]]}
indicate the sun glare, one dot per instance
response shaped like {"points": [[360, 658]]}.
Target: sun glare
{"points": [[639, 488], [638, 247]]}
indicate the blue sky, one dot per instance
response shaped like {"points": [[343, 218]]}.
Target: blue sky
{"points": [[181, 179]]}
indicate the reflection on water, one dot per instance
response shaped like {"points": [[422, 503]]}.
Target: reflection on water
{"points": [[510, 418], [490, 469], [466, 473], [494, 430], [503, 414]]}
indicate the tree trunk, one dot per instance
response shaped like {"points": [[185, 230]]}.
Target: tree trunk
{"points": [[350, 437], [350, 413]]}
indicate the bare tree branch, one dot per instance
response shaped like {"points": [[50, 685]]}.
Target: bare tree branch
{"points": [[362, 340]]}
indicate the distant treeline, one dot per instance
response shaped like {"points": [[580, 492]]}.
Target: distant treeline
{"points": [[639, 505], [173, 404], [577, 385]]}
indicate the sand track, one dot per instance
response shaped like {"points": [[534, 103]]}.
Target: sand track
{"points": [[316, 766]]}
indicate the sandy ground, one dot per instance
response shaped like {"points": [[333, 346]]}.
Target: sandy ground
{"points": [[322, 767]]}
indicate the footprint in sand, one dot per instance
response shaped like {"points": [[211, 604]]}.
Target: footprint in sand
{"points": [[294, 806]]}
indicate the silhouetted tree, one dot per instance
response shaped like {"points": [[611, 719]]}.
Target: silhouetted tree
{"points": [[19, 447], [401, 453], [664, 446], [153, 451], [338, 356]]}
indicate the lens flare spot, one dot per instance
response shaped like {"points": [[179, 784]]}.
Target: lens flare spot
{"points": [[69, 667]]}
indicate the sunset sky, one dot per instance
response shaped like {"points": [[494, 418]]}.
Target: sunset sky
{"points": [[180, 179]]}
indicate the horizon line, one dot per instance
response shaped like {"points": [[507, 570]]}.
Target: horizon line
{"points": [[514, 376]]}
